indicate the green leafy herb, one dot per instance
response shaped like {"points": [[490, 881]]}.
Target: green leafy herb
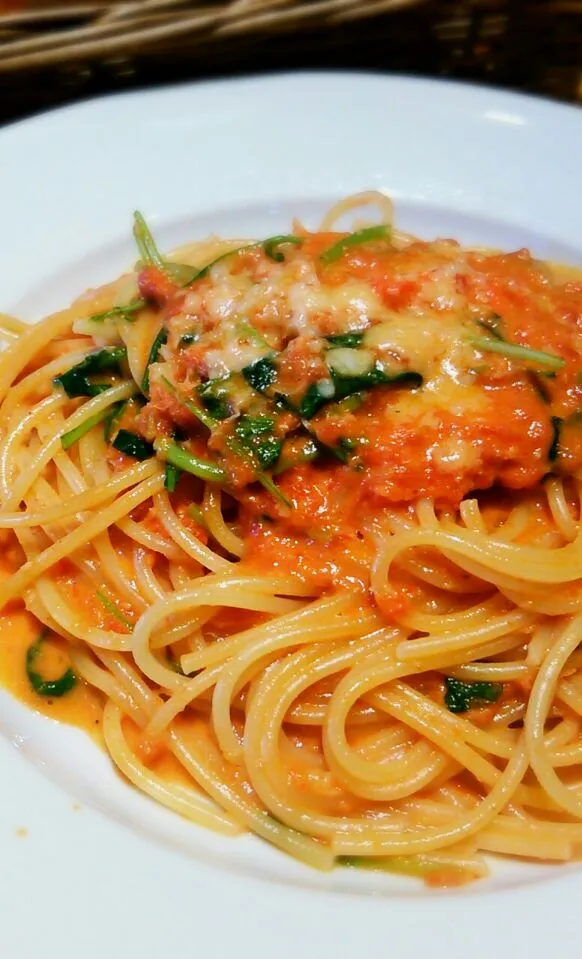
{"points": [[245, 329], [216, 397], [171, 478], [297, 451], [133, 445], [181, 273], [74, 435], [271, 246], [196, 514], [160, 339], [349, 340], [255, 434], [538, 385], [176, 455], [208, 421], [187, 339], [344, 386], [111, 607], [553, 452], [460, 696], [46, 687], [513, 351], [173, 663], [126, 312], [75, 382], [493, 325], [261, 374], [369, 233]]}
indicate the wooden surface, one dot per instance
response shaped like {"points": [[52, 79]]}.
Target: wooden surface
{"points": [[530, 45]]}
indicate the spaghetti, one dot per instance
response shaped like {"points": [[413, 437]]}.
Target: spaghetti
{"points": [[296, 524]]}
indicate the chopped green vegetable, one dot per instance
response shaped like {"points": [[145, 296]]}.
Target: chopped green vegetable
{"points": [[350, 340], [196, 514], [460, 696], [245, 329], [513, 351], [126, 312], [187, 339], [160, 338], [171, 478], [47, 687], [419, 866], [271, 246], [75, 382], [494, 325], [261, 374], [553, 452], [380, 232], [67, 439], [173, 663], [112, 608], [178, 456], [208, 421], [114, 419], [255, 434], [538, 385], [151, 256], [296, 451], [345, 386], [216, 397], [133, 445]]}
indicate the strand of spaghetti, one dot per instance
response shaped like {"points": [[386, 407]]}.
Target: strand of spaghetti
{"points": [[559, 508], [188, 803], [556, 601], [200, 758], [36, 380], [417, 768], [276, 690], [514, 622], [19, 354], [231, 679], [8, 457], [471, 516], [491, 672], [467, 824], [216, 524], [13, 587], [354, 202], [82, 502], [522, 562], [101, 678], [186, 540], [145, 537], [304, 619], [183, 696], [11, 324], [568, 798], [144, 576], [455, 621], [407, 706], [66, 619], [96, 405], [237, 592]]}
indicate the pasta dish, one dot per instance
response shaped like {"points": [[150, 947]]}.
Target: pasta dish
{"points": [[293, 526]]}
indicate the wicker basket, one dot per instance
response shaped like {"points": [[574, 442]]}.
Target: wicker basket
{"points": [[85, 47], [46, 34]]}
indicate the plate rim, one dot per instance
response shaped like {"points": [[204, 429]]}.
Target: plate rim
{"points": [[222, 892]]}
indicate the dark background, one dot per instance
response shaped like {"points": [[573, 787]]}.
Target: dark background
{"points": [[528, 45]]}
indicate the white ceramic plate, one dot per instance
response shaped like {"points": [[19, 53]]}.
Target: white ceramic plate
{"points": [[102, 871]]}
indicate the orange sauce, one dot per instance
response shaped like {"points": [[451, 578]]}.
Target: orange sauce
{"points": [[19, 629]]}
